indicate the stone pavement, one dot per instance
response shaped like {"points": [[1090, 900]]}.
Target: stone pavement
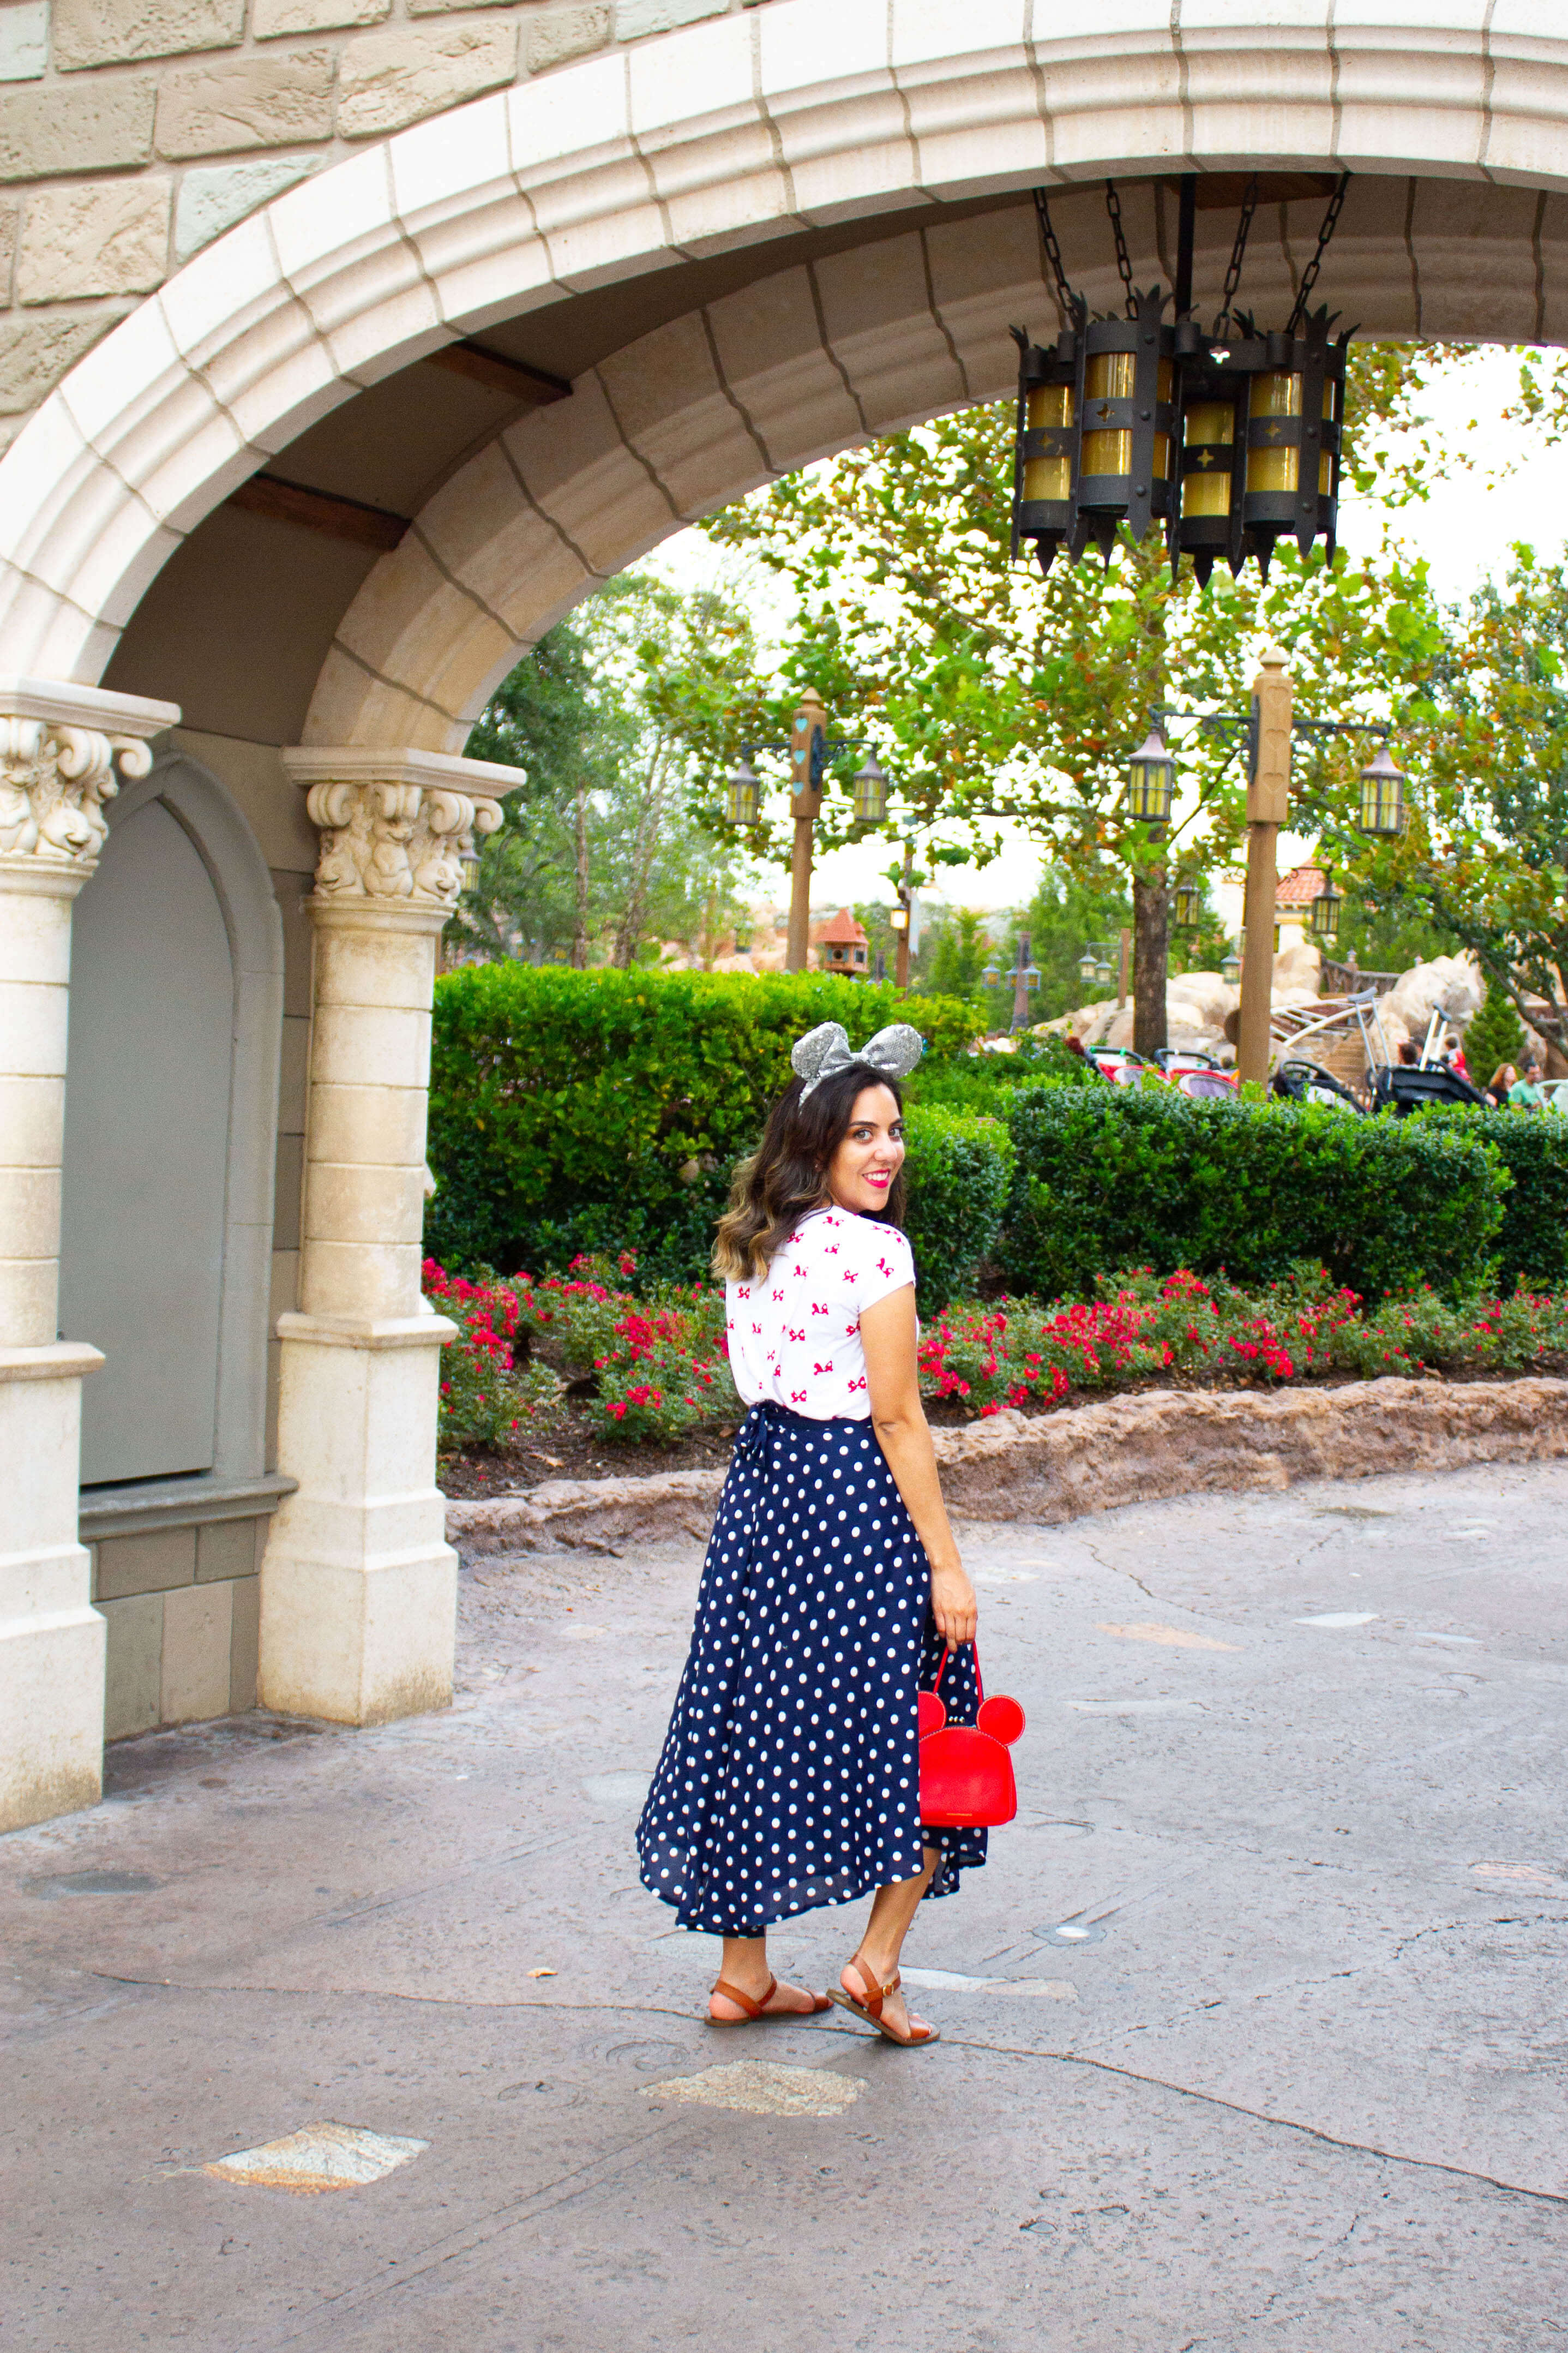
{"points": [[1253, 2026]]}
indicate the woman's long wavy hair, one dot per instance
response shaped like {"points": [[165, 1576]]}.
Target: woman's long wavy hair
{"points": [[786, 1176]]}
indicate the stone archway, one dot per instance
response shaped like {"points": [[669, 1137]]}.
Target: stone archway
{"points": [[758, 239], [730, 136]]}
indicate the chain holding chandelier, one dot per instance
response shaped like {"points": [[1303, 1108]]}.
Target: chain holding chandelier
{"points": [[1227, 438]]}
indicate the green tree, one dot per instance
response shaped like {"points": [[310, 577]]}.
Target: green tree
{"points": [[990, 693], [1485, 855], [959, 955], [608, 846], [1069, 914], [1496, 1035]]}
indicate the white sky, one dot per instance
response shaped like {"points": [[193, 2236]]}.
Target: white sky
{"points": [[1518, 490]]}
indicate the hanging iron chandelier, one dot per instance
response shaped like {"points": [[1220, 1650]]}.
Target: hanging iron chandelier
{"points": [[1228, 437]]}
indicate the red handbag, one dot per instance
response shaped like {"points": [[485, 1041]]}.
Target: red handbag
{"points": [[966, 1774]]}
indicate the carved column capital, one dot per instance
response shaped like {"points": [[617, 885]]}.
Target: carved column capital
{"points": [[60, 747], [396, 826]]}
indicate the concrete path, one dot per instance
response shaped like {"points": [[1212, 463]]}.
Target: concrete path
{"points": [[1253, 2027]]}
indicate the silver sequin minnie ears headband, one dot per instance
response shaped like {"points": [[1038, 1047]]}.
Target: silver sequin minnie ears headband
{"points": [[826, 1051]]}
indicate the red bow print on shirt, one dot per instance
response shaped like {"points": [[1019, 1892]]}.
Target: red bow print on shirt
{"points": [[858, 1385], [797, 1397], [820, 1307], [778, 1294], [794, 1335], [822, 1368]]}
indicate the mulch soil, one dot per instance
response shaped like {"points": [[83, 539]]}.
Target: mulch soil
{"points": [[577, 1451]]}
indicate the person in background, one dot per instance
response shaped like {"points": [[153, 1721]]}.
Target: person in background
{"points": [[1504, 1077], [1408, 1055], [1526, 1092], [1457, 1061]]}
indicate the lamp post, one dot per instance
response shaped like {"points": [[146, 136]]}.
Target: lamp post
{"points": [[807, 736], [810, 748], [1025, 977], [1267, 808], [1149, 799], [904, 921], [1269, 728]]}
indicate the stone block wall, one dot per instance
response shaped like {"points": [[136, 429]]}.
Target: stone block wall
{"points": [[182, 1606], [135, 131]]}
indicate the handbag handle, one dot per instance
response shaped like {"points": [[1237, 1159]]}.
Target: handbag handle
{"points": [[979, 1686]]}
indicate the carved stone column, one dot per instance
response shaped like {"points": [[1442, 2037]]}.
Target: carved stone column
{"points": [[59, 749], [358, 1586]]}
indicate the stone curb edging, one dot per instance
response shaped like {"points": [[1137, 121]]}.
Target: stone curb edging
{"points": [[1096, 1458]]}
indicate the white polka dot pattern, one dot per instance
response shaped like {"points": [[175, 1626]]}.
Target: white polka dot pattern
{"points": [[790, 1776]]}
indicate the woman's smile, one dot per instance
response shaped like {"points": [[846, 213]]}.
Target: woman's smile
{"points": [[861, 1172]]}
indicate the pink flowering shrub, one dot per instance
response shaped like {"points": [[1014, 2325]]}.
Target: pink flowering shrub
{"points": [[658, 1368], [1016, 1352], [659, 1365], [487, 1397]]}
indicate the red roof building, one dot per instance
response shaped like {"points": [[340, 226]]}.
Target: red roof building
{"points": [[843, 945], [1300, 887]]}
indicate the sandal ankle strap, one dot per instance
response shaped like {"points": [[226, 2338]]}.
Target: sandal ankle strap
{"points": [[743, 2001]]}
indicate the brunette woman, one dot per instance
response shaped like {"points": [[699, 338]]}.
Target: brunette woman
{"points": [[790, 1777]]}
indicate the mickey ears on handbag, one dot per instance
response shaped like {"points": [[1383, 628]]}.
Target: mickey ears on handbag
{"points": [[1000, 1718]]}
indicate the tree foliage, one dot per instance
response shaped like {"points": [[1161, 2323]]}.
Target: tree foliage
{"points": [[992, 694], [1485, 855], [607, 848]]}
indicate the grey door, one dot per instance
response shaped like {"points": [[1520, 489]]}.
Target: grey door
{"points": [[148, 1076]]}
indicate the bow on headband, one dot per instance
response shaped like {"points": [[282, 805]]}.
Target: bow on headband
{"points": [[826, 1051]]}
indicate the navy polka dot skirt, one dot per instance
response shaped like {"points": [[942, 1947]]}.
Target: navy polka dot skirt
{"points": [[790, 1777]]}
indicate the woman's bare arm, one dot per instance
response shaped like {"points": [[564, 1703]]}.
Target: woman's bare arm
{"points": [[888, 1334]]}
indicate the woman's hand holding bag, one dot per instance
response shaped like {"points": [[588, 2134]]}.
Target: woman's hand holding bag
{"points": [[966, 1774]]}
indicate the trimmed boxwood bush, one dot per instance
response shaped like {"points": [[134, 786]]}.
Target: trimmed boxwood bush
{"points": [[1122, 1177], [1533, 1241], [960, 1174], [565, 1105]]}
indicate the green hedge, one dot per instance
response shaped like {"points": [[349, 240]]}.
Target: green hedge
{"points": [[1110, 1178], [1533, 1241], [960, 1174], [564, 1105]]}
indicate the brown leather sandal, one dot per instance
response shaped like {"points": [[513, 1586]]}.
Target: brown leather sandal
{"points": [[758, 2012], [870, 2009]]}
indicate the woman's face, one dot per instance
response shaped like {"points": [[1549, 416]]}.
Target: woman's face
{"points": [[861, 1171]]}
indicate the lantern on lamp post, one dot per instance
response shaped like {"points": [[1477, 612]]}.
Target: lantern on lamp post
{"points": [[1152, 781], [1324, 914], [1381, 794], [1230, 968], [1187, 904], [870, 793], [743, 794]]}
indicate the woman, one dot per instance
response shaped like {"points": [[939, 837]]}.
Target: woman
{"points": [[1504, 1077], [790, 1777]]}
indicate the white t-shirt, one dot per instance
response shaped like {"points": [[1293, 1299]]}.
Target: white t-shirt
{"points": [[795, 1334]]}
